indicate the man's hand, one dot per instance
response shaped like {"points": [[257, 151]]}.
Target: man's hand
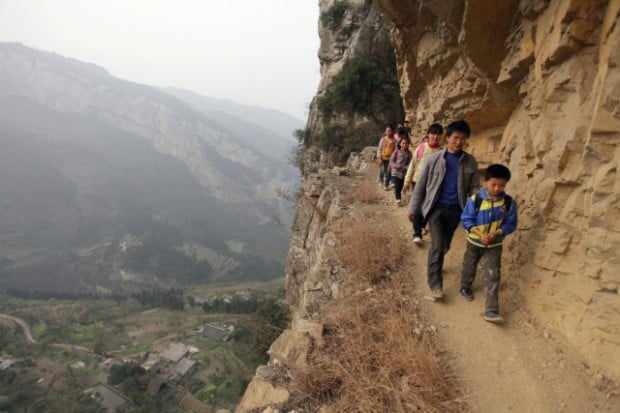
{"points": [[410, 216]]}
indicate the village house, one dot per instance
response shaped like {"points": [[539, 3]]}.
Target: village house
{"points": [[110, 399], [182, 369], [215, 332]]}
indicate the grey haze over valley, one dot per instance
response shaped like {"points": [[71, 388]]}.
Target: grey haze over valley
{"points": [[111, 186]]}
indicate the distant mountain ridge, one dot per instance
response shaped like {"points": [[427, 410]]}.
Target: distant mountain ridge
{"points": [[90, 160], [274, 120]]}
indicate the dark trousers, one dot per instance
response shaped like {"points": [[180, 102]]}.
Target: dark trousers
{"points": [[492, 258], [398, 186], [418, 219], [384, 172], [443, 221]]}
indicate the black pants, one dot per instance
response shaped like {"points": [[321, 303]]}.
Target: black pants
{"points": [[492, 258], [418, 219], [398, 186], [384, 173], [443, 221]]}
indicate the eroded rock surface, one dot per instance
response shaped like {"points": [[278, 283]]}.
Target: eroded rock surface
{"points": [[538, 82]]}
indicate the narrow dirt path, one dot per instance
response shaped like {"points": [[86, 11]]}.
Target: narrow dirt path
{"points": [[22, 324], [514, 367]]}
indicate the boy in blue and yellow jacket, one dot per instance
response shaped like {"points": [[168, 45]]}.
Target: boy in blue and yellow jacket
{"points": [[488, 217]]}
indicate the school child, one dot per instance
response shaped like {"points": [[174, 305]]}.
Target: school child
{"points": [[430, 145], [387, 145], [399, 162], [488, 217]]}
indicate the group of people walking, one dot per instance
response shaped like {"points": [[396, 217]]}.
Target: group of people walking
{"points": [[446, 191]]}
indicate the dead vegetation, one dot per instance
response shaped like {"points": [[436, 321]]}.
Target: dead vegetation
{"points": [[372, 248], [377, 357], [365, 193]]}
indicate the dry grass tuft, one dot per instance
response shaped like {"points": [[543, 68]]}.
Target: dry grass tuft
{"points": [[376, 358], [366, 193], [372, 248]]}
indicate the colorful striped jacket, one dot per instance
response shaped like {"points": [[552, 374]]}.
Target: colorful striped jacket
{"points": [[491, 216]]}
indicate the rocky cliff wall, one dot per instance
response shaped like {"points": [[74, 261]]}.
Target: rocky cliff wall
{"points": [[538, 81]]}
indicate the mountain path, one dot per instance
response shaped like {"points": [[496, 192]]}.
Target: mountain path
{"points": [[514, 367], [22, 324]]}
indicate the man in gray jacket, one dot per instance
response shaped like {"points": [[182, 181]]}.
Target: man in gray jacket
{"points": [[449, 177]]}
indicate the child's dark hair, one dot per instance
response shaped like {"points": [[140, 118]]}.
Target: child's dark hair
{"points": [[435, 129], [403, 138], [458, 126], [497, 171]]}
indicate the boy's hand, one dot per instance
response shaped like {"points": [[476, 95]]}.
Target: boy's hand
{"points": [[488, 238]]}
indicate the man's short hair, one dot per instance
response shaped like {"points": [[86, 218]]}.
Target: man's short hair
{"points": [[497, 171], [458, 126]]}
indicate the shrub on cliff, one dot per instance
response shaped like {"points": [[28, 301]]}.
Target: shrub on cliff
{"points": [[362, 98], [354, 88], [332, 17]]}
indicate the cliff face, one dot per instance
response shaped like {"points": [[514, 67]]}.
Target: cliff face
{"points": [[358, 94], [538, 81]]}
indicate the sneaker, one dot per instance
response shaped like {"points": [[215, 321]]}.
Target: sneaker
{"points": [[387, 188], [425, 231], [467, 293], [417, 240], [437, 293], [493, 317], [391, 185], [399, 202]]}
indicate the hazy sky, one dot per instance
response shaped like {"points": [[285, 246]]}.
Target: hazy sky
{"points": [[261, 53]]}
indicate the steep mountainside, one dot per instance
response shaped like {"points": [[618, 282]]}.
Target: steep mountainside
{"points": [[112, 186], [538, 82]]}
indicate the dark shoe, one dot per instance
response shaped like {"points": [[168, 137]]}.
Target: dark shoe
{"points": [[467, 293], [493, 317]]}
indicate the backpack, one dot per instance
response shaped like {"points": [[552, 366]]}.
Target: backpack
{"points": [[419, 152], [388, 146], [478, 202], [394, 156]]}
